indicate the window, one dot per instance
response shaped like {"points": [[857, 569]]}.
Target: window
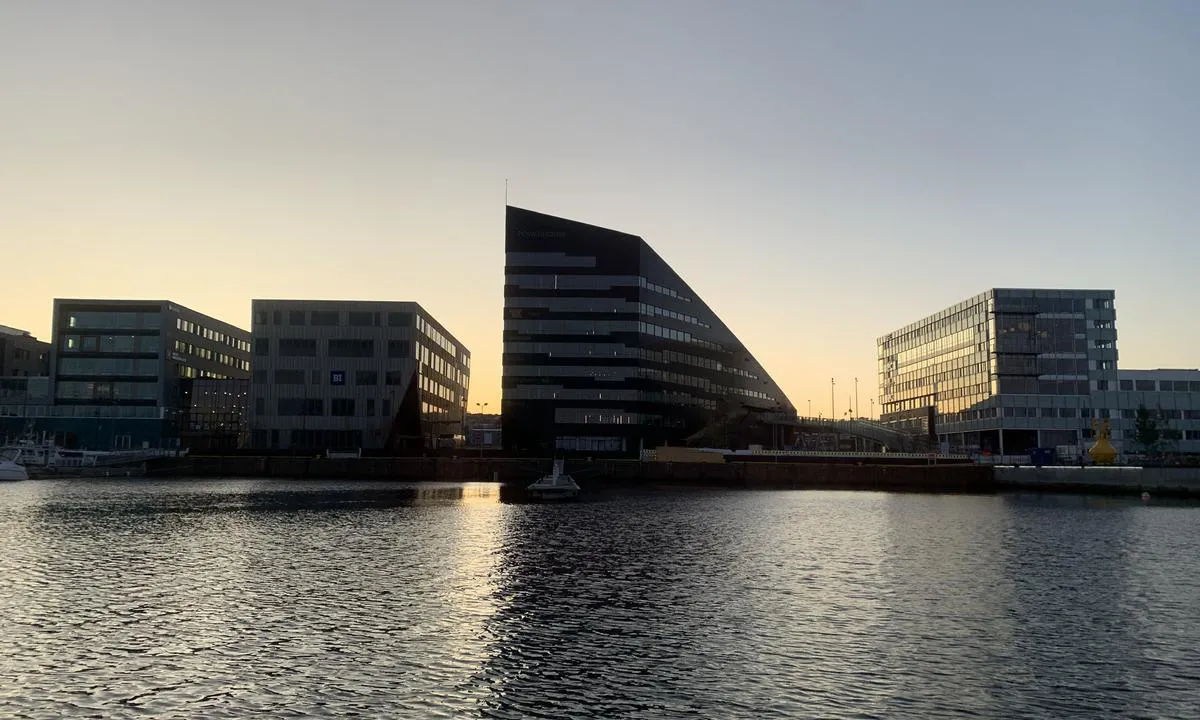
{"points": [[351, 348], [1144, 385], [341, 407], [1126, 385], [295, 317], [1101, 384], [260, 406], [277, 317], [325, 318], [262, 347], [399, 349], [363, 318], [297, 347], [395, 377], [399, 319], [366, 377], [370, 407], [289, 377], [301, 406]]}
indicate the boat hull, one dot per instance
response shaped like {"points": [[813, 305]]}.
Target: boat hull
{"points": [[10, 471]]}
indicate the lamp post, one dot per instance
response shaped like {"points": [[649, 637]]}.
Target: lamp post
{"points": [[810, 407], [832, 402], [856, 397], [482, 407], [872, 408]]}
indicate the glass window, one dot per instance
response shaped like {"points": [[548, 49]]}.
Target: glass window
{"points": [[262, 347], [399, 349], [351, 348], [1126, 385], [395, 377], [341, 407], [295, 317], [1144, 385], [366, 377], [260, 406], [363, 318], [297, 347], [289, 377], [325, 318], [399, 319]]}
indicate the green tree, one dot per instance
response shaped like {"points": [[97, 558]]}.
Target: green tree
{"points": [[1146, 430]]}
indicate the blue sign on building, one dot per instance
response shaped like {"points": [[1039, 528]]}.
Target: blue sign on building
{"points": [[337, 377]]}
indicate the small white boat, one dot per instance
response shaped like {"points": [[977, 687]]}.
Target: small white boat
{"points": [[555, 486], [9, 470]]}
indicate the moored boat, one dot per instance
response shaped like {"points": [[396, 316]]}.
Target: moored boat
{"points": [[555, 486], [9, 470]]}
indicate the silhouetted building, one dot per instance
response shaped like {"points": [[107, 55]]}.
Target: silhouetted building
{"points": [[21, 354], [608, 351], [340, 375]]}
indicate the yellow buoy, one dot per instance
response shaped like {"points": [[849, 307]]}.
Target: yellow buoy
{"points": [[1102, 452]]}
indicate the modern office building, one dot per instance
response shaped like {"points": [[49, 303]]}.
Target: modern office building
{"points": [[354, 375], [21, 354], [1005, 371], [1172, 397], [117, 370], [608, 351]]}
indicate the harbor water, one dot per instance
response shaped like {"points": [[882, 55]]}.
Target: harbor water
{"points": [[224, 598]]}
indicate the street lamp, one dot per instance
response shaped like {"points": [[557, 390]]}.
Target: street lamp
{"points": [[482, 407]]}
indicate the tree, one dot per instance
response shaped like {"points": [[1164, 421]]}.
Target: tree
{"points": [[1146, 431]]}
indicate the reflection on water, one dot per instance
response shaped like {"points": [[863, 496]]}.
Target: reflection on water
{"points": [[219, 599]]}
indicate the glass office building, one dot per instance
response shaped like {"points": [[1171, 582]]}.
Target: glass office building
{"points": [[608, 351], [1005, 371]]}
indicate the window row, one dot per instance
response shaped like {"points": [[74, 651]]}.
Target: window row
{"points": [[571, 282], [555, 392], [1162, 385], [107, 366], [661, 290], [547, 259], [572, 304], [438, 338], [100, 320], [338, 407], [204, 353], [362, 378], [333, 318], [105, 390], [590, 443], [188, 326], [110, 343], [335, 347], [653, 310], [603, 416]]}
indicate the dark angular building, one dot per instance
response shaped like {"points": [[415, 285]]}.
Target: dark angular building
{"points": [[607, 351]]}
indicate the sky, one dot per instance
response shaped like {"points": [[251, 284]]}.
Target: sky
{"points": [[819, 172]]}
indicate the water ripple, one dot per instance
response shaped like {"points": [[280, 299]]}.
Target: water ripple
{"points": [[223, 599]]}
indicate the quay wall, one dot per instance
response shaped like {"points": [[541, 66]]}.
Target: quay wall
{"points": [[597, 473], [1166, 481]]}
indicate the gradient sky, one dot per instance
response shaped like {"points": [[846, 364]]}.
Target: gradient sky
{"points": [[819, 172]]}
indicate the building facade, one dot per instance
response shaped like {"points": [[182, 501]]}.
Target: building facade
{"points": [[1172, 399], [1005, 371], [22, 355], [214, 413], [354, 375], [608, 351], [117, 370]]}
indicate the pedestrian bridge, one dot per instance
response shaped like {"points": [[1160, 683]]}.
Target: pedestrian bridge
{"points": [[891, 438]]}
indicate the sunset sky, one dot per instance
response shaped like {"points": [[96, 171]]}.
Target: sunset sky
{"points": [[819, 172]]}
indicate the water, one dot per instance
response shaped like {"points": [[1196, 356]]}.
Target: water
{"points": [[221, 599]]}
